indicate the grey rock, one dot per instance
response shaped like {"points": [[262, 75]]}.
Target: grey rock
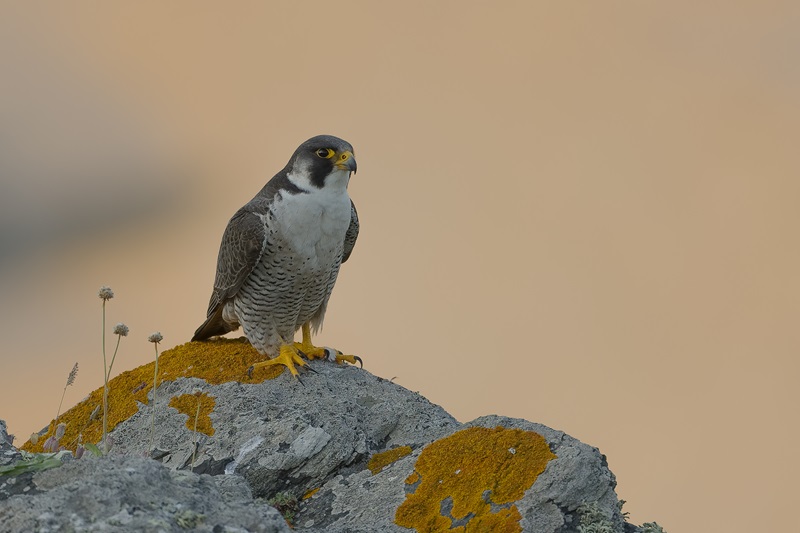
{"points": [[284, 435], [579, 476], [8, 453], [119, 493], [308, 442], [359, 501]]}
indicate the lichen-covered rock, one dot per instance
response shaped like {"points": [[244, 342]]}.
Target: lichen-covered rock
{"points": [[123, 494], [282, 434], [577, 476], [359, 453], [492, 474]]}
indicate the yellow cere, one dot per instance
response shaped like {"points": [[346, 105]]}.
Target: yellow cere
{"points": [[378, 461], [188, 403], [216, 362], [462, 467]]}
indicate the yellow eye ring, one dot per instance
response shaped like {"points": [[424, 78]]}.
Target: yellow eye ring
{"points": [[325, 153]]}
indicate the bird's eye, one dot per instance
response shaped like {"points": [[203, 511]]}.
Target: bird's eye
{"points": [[325, 153]]}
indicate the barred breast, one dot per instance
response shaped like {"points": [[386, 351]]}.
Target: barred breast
{"points": [[295, 275]]}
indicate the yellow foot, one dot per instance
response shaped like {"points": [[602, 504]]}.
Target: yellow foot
{"points": [[288, 357], [329, 354], [314, 352], [352, 359]]}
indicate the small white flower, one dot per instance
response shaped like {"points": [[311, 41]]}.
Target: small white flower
{"points": [[121, 330], [155, 337], [105, 293]]}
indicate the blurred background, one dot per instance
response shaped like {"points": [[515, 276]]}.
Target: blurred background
{"points": [[584, 215]]}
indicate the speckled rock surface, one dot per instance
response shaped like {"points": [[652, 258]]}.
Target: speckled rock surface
{"points": [[282, 434], [8, 456], [577, 476], [136, 494], [8, 453], [349, 451]]}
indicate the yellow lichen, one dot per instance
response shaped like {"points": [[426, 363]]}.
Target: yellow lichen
{"points": [[215, 362], [379, 460], [310, 493], [463, 467], [188, 403]]}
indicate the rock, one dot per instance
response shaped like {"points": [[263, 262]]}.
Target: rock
{"points": [[283, 435], [119, 493], [8, 454], [340, 451], [553, 476]]}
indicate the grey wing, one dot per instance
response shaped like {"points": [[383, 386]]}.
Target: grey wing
{"points": [[352, 232], [240, 251]]}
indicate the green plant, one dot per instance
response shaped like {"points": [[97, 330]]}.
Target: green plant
{"points": [[32, 463], [287, 504]]}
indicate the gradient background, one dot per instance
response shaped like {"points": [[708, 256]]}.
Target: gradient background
{"points": [[581, 214]]}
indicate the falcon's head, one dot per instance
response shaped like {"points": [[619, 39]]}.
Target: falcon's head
{"points": [[323, 161]]}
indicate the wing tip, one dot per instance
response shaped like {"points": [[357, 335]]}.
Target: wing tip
{"points": [[214, 325]]}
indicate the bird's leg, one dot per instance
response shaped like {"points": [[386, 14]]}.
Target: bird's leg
{"points": [[288, 357], [307, 348], [313, 352]]}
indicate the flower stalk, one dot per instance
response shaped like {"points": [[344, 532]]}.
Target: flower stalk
{"points": [[155, 338]]}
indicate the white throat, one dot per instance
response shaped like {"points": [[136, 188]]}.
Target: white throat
{"points": [[314, 222]]}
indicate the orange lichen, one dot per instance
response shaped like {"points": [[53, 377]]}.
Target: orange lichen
{"points": [[474, 468], [380, 460], [215, 362], [188, 403], [310, 493]]}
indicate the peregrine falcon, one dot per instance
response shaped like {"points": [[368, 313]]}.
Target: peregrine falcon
{"points": [[280, 255]]}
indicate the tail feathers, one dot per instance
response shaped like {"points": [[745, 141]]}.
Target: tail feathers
{"points": [[214, 325]]}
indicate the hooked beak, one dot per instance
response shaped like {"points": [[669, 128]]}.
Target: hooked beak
{"points": [[346, 161]]}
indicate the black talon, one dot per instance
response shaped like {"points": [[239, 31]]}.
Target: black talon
{"points": [[250, 371], [302, 353], [360, 362]]}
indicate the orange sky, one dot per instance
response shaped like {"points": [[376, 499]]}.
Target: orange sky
{"points": [[582, 215]]}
